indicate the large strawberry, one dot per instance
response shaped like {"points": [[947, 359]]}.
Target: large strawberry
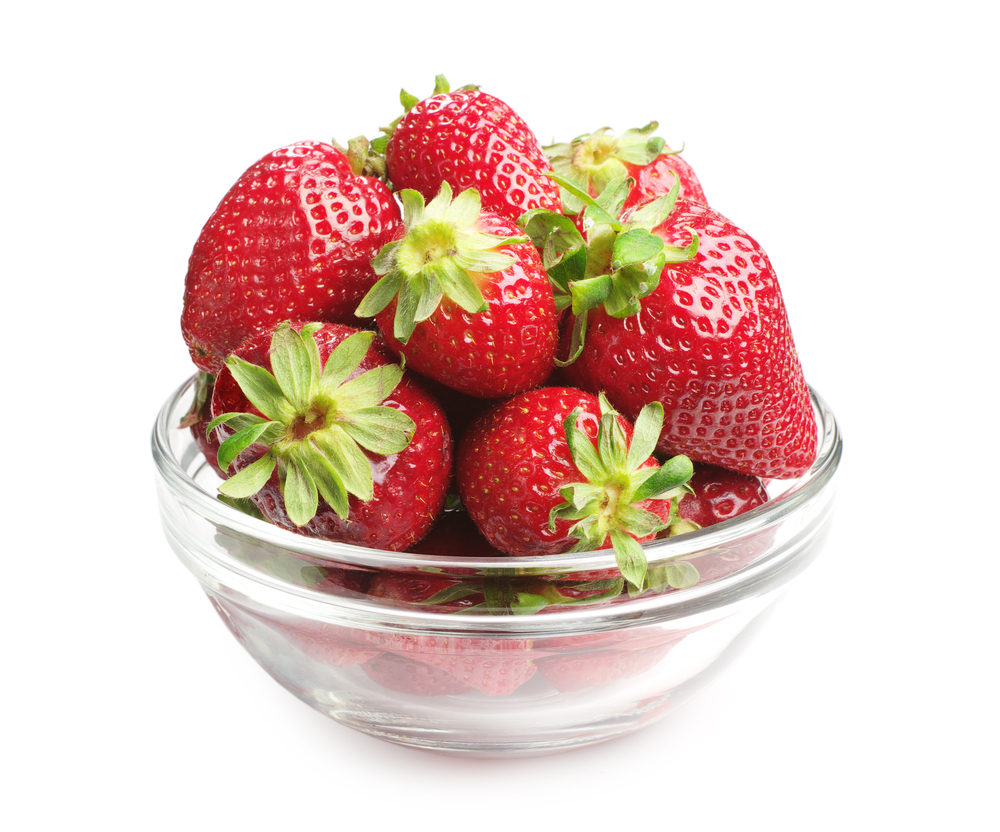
{"points": [[710, 341], [464, 298], [470, 139], [292, 240], [556, 470], [330, 438], [595, 161]]}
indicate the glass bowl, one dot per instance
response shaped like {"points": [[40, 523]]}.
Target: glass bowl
{"points": [[487, 656]]}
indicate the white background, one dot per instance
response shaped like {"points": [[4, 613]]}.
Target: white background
{"points": [[855, 141]]}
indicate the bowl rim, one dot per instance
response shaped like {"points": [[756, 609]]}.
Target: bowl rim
{"points": [[753, 579]]}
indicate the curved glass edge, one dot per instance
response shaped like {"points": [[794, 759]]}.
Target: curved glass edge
{"points": [[770, 571]]}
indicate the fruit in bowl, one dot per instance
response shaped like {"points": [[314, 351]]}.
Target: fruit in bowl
{"points": [[491, 453]]}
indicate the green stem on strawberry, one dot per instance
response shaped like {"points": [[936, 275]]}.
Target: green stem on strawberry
{"points": [[593, 162], [439, 257], [317, 423], [617, 265], [618, 480]]}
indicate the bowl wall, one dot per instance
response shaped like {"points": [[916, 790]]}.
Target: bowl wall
{"points": [[465, 670]]}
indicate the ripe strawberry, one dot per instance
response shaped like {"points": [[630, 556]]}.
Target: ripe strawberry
{"points": [[438, 593], [464, 298], [555, 470], [594, 161], [718, 495], [291, 240], [493, 666], [402, 674], [469, 139], [330, 438], [711, 342]]}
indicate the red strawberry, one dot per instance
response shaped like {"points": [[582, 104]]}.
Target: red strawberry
{"points": [[594, 161], [710, 341], [469, 139], [494, 666], [434, 592], [464, 298], [555, 470], [292, 240], [330, 438], [404, 675], [326, 643], [718, 494]]}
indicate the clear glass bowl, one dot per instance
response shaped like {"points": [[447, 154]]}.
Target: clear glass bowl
{"points": [[463, 674]]}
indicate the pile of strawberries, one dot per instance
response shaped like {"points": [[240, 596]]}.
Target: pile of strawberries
{"points": [[453, 340]]}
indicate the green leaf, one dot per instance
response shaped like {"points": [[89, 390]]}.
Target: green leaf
{"points": [[380, 295], [630, 557], [465, 208], [460, 287], [250, 480], [633, 247], [581, 448], [590, 293], [577, 340], [381, 430], [299, 492], [369, 389], [645, 435], [292, 365], [329, 483], [261, 389], [526, 603], [265, 432], [406, 309], [611, 443], [344, 360], [674, 472], [343, 455]]}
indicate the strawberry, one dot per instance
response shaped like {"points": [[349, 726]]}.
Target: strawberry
{"points": [[493, 666], [469, 139], [402, 674], [464, 299], [330, 438], [556, 470], [594, 161], [718, 495], [291, 240], [709, 339]]}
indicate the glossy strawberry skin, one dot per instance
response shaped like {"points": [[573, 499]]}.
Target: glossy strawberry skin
{"points": [[291, 240], [512, 462], [720, 495], [471, 139], [713, 344], [506, 349], [410, 487]]}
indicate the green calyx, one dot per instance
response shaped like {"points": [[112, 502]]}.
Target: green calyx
{"points": [[606, 504], [594, 161], [617, 264], [317, 423], [441, 255]]}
